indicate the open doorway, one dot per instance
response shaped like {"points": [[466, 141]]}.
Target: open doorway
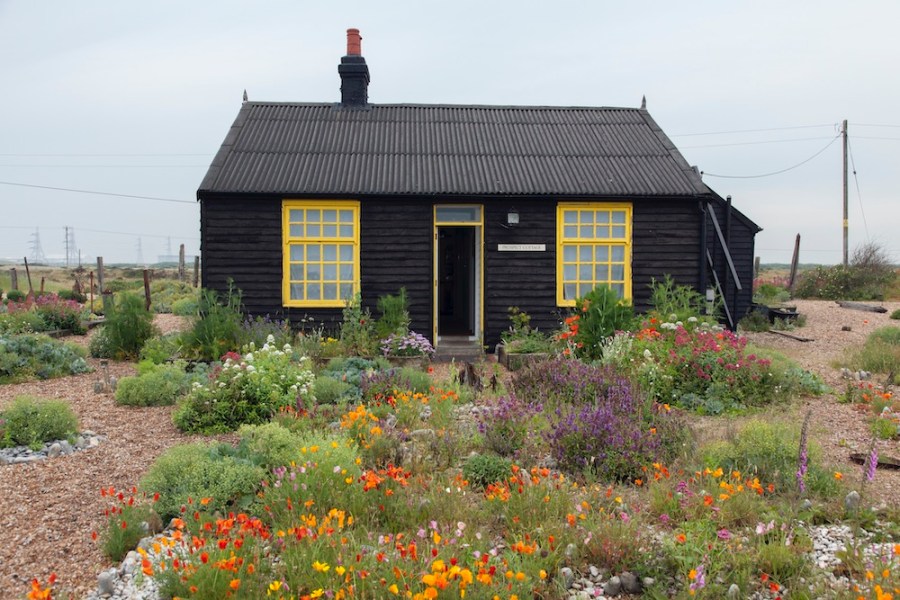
{"points": [[456, 263]]}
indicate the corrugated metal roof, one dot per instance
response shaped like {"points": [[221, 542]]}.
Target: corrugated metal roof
{"points": [[299, 148]]}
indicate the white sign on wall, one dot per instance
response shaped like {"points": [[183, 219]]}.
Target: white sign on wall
{"points": [[522, 247]]}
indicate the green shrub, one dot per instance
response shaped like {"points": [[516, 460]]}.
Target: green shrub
{"points": [[598, 316], [161, 348], [673, 302], [71, 295], [58, 313], [161, 385], [186, 307], [269, 445], [263, 330], [33, 355], [33, 421], [868, 276], [129, 520], [351, 370], [217, 328], [357, 329], [481, 470], [164, 293], [16, 295], [378, 385], [247, 389], [884, 427], [880, 353], [896, 314], [329, 390], [770, 294], [199, 471], [755, 320], [21, 321], [769, 450], [128, 325]]}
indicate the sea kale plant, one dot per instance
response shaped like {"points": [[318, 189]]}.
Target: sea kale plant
{"points": [[247, 389]]}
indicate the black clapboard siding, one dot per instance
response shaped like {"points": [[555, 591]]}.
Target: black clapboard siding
{"points": [[396, 251], [515, 278]]}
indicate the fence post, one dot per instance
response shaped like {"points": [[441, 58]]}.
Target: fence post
{"points": [[147, 289], [196, 271], [14, 278]]}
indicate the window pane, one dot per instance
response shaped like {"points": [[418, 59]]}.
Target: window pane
{"points": [[313, 252], [618, 216], [346, 216], [297, 231], [346, 272], [585, 272], [601, 273], [346, 253], [313, 216], [329, 231], [458, 214], [584, 289], [618, 231], [296, 272], [346, 231], [329, 216], [329, 291], [297, 253], [587, 216], [329, 272], [295, 216], [569, 291], [330, 251], [584, 253], [619, 289], [346, 291], [618, 273], [569, 253], [586, 232], [570, 232], [569, 273], [312, 272], [570, 216], [618, 253], [296, 291], [602, 216], [313, 292], [602, 232], [312, 231], [601, 253]]}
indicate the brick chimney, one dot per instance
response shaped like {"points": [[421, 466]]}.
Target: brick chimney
{"points": [[354, 73]]}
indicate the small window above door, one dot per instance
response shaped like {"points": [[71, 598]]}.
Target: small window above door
{"points": [[449, 214]]}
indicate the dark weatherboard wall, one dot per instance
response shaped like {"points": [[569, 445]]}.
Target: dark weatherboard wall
{"points": [[242, 241]]}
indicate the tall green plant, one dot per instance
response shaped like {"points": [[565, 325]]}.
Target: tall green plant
{"points": [[357, 329], [128, 326], [394, 311], [601, 314], [217, 328], [669, 299]]}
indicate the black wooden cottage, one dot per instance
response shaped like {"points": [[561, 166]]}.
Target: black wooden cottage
{"points": [[472, 209]]}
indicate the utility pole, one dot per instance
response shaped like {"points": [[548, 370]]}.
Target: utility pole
{"points": [[846, 223], [67, 246]]}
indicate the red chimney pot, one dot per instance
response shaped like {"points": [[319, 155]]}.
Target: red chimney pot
{"points": [[354, 43]]}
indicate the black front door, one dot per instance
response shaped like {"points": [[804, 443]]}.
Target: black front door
{"points": [[456, 280]]}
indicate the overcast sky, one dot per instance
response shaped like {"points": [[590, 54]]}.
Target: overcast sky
{"points": [[135, 98]]}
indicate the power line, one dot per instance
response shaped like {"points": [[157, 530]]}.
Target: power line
{"points": [[752, 130], [109, 166], [874, 137], [47, 187], [102, 155], [858, 193], [774, 172], [759, 142], [873, 125]]}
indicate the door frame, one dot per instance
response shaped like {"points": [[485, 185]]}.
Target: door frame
{"points": [[478, 289]]}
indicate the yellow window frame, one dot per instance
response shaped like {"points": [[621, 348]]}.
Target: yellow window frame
{"points": [[289, 240], [562, 241]]}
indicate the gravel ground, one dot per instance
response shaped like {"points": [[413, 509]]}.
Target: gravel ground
{"points": [[48, 509]]}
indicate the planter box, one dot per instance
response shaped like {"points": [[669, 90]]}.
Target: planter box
{"points": [[415, 362], [513, 361]]}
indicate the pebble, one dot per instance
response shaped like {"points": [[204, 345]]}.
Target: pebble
{"points": [[23, 454]]}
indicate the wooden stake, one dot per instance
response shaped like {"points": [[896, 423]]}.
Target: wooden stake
{"points": [[755, 267], [92, 291], [196, 271], [14, 278], [28, 273], [42, 284], [795, 259], [147, 289], [181, 263]]}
